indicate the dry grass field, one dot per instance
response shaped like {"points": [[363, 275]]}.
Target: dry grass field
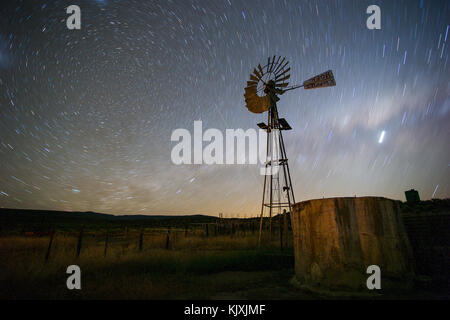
{"points": [[165, 258], [190, 267]]}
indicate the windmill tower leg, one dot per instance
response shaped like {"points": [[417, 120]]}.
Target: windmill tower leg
{"points": [[287, 184], [271, 193], [279, 191], [269, 117]]}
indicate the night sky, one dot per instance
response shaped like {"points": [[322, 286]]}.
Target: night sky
{"points": [[86, 115]]}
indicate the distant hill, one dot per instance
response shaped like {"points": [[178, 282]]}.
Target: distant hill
{"points": [[93, 215], [24, 219]]}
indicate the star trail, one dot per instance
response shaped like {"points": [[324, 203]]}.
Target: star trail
{"points": [[86, 115]]}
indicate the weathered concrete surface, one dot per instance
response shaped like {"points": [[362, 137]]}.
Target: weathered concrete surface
{"points": [[336, 239]]}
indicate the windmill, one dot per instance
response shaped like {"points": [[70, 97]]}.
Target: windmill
{"points": [[261, 94]]}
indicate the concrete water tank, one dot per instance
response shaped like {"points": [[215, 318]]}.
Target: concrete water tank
{"points": [[336, 239]]}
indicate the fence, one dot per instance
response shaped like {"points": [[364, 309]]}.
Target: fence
{"points": [[140, 239], [430, 241]]}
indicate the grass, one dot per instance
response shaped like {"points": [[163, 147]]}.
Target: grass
{"points": [[194, 268]]}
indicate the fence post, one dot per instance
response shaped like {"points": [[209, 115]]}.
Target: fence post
{"points": [[80, 240], [141, 240], [281, 235], [186, 231], [106, 244], [168, 238], [126, 241], [207, 229], [47, 255]]}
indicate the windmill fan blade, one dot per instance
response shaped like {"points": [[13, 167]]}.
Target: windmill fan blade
{"points": [[272, 64], [252, 77], [276, 64], [255, 103], [279, 75], [250, 90], [282, 85], [260, 70], [249, 95], [251, 83], [268, 64], [251, 100], [257, 74], [287, 62], [279, 65], [255, 106], [265, 102], [251, 103], [284, 79]]}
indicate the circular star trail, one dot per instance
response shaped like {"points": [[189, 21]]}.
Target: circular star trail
{"points": [[86, 115]]}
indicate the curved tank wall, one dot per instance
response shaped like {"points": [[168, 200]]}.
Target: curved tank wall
{"points": [[336, 239]]}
